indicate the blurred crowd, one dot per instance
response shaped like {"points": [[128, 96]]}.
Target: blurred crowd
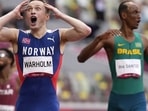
{"points": [[100, 15], [82, 87]]}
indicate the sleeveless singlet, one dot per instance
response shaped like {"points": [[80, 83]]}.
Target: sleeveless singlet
{"points": [[9, 93], [127, 65], [38, 61], [38, 55]]}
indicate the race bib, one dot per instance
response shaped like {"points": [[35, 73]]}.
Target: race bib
{"points": [[6, 108], [43, 64], [128, 67]]}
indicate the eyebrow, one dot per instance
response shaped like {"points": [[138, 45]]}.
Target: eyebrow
{"points": [[35, 5]]}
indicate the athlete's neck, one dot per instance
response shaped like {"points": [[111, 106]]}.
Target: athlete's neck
{"points": [[127, 34], [38, 33]]}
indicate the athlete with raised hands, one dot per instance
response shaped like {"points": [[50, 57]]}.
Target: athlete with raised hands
{"points": [[39, 52]]}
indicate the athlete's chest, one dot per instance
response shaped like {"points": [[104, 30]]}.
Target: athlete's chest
{"points": [[123, 47]]}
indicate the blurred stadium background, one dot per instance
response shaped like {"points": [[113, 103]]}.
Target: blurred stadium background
{"points": [[85, 87]]}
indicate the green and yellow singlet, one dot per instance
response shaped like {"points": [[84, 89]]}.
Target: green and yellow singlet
{"points": [[127, 65]]}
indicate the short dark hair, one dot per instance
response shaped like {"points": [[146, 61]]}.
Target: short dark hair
{"points": [[123, 7], [10, 54]]}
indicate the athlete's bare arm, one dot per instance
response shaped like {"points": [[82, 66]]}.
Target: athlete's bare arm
{"points": [[79, 30], [104, 40], [101, 41], [10, 34], [91, 49]]}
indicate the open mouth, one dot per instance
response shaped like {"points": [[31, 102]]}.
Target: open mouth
{"points": [[138, 21], [33, 19]]}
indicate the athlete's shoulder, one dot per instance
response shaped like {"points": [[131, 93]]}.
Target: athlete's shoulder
{"points": [[14, 74], [137, 33], [24, 31], [140, 36]]}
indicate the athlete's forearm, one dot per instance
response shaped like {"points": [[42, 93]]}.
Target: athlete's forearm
{"points": [[7, 18], [79, 29], [78, 25], [89, 50], [14, 14]]}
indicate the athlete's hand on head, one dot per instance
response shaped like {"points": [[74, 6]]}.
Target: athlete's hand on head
{"points": [[111, 33], [57, 13], [20, 8]]}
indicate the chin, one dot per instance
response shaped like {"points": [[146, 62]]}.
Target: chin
{"points": [[136, 27], [33, 27]]}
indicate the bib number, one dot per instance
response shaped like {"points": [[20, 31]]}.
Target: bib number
{"points": [[42, 64], [128, 68]]}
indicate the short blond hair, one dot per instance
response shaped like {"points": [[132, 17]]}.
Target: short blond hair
{"points": [[44, 1]]}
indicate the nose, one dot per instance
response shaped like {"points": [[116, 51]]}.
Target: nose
{"points": [[139, 17], [33, 11]]}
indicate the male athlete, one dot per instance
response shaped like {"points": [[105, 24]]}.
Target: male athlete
{"points": [[126, 60], [39, 52]]}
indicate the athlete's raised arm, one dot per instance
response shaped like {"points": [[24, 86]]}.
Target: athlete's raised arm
{"points": [[10, 34], [79, 30]]}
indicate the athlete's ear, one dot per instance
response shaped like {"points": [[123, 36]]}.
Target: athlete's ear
{"points": [[124, 15], [47, 16]]}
